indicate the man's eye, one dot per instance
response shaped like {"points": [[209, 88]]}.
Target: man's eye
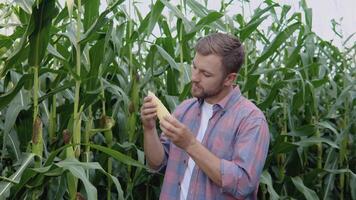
{"points": [[207, 75]]}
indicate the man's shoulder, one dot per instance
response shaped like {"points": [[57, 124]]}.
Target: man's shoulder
{"points": [[249, 108]]}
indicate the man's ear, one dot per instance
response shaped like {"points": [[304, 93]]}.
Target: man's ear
{"points": [[230, 79]]}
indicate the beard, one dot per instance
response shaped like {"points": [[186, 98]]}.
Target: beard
{"points": [[203, 93]]}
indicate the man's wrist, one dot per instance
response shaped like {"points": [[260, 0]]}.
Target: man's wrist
{"points": [[191, 146], [148, 128]]}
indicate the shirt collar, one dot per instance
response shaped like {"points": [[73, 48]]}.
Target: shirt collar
{"points": [[233, 96]]}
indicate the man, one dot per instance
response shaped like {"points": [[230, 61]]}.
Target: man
{"points": [[214, 145]]}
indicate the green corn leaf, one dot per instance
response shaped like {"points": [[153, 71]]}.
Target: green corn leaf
{"points": [[6, 98], [316, 140], [178, 13], [275, 44], [91, 13], [6, 186], [267, 180], [307, 192], [54, 52], [167, 57], [118, 156], [39, 38], [69, 4], [250, 28], [151, 19], [100, 21], [26, 5]]}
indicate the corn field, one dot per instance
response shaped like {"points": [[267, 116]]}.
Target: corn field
{"points": [[74, 76]]}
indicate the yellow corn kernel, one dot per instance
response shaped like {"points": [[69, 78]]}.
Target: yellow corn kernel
{"points": [[161, 109]]}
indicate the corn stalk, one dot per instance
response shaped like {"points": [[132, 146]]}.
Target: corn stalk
{"points": [[76, 112]]}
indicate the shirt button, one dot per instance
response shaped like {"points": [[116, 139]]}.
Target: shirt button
{"points": [[185, 161]]}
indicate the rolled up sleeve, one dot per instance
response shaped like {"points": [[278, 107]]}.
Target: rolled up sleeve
{"points": [[240, 176]]}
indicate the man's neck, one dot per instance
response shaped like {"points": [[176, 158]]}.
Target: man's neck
{"points": [[220, 96]]}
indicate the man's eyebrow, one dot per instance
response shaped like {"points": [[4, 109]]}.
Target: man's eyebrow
{"points": [[202, 70]]}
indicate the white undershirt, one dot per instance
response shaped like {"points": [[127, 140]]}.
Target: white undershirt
{"points": [[207, 112]]}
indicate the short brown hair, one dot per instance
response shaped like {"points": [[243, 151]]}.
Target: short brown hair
{"points": [[228, 47]]}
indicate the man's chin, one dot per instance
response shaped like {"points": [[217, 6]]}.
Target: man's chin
{"points": [[197, 95]]}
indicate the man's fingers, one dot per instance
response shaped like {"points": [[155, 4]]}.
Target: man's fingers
{"points": [[147, 99], [167, 133], [172, 120], [169, 126], [152, 115], [149, 105], [149, 111]]}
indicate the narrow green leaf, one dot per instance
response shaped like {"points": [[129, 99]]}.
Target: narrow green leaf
{"points": [[202, 11], [117, 155], [91, 13], [178, 13], [267, 180], [308, 14], [6, 186], [275, 44], [6, 98], [26, 5], [283, 147], [328, 125], [272, 94], [208, 19], [100, 21], [54, 52], [79, 173], [316, 140], [250, 28], [308, 193], [39, 38], [69, 4], [167, 57], [305, 130], [197, 8], [151, 19]]}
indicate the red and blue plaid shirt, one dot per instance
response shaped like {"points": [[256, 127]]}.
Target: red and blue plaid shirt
{"points": [[237, 133]]}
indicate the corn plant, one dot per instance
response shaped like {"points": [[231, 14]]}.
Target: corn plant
{"points": [[73, 76]]}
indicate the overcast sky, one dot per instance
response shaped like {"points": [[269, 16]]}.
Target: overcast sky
{"points": [[343, 11]]}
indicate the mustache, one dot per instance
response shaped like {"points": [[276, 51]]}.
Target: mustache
{"points": [[196, 85]]}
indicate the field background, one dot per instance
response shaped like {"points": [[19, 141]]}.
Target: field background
{"points": [[73, 78]]}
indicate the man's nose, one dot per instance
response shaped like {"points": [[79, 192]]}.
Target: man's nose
{"points": [[195, 77]]}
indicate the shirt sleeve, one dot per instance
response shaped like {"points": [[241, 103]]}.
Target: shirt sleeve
{"points": [[240, 176]]}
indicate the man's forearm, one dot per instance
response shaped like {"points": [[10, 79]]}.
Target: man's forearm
{"points": [[153, 148], [206, 161]]}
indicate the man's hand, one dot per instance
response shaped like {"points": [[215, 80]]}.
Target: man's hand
{"points": [[148, 114], [177, 132]]}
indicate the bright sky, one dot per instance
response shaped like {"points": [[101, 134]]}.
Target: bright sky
{"points": [[324, 11], [342, 11]]}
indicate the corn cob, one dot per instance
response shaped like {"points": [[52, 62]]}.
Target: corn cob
{"points": [[161, 109]]}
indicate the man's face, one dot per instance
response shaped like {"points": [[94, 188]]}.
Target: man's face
{"points": [[208, 77]]}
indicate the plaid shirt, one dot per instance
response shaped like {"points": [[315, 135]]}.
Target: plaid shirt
{"points": [[237, 133]]}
